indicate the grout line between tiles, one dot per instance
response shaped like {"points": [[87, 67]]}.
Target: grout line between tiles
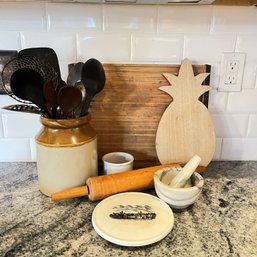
{"points": [[221, 144], [4, 125], [212, 22], [221, 148], [131, 47], [103, 18], [47, 19], [22, 40], [236, 43], [78, 49], [255, 77], [32, 156], [157, 18], [248, 126], [1, 124], [184, 46]]}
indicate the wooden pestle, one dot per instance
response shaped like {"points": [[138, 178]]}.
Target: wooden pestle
{"points": [[100, 187]]}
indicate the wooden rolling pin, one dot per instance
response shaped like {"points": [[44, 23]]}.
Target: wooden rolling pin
{"points": [[102, 186]]}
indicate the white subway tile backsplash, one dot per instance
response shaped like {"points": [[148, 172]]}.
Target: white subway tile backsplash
{"points": [[218, 149], [104, 47], [242, 102], [16, 150], [63, 43], [6, 100], [234, 19], [217, 101], [128, 18], [60, 16], [239, 149], [184, 19], [1, 127], [10, 40], [230, 125], [252, 129], [215, 75], [202, 48], [22, 16], [29, 125], [160, 48], [33, 149], [64, 68], [249, 76], [247, 44], [138, 34]]}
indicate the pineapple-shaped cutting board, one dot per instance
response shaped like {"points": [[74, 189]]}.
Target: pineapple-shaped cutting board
{"points": [[186, 127]]}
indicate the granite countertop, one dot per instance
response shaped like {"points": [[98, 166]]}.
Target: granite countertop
{"points": [[223, 221]]}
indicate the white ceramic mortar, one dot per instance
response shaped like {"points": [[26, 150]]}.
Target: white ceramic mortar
{"points": [[177, 198]]}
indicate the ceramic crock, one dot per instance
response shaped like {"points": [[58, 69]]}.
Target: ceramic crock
{"points": [[66, 153]]}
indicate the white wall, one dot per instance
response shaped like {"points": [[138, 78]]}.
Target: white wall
{"points": [[138, 34]]}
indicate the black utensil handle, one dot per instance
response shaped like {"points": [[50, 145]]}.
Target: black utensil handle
{"points": [[86, 104]]}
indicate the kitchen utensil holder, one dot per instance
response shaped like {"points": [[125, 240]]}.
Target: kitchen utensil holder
{"points": [[66, 153]]}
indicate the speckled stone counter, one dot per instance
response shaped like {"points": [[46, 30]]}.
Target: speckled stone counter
{"points": [[223, 221]]}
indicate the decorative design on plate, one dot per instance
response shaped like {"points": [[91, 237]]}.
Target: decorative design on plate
{"points": [[133, 212], [142, 219]]}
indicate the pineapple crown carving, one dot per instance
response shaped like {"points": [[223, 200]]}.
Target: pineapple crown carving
{"points": [[186, 83]]}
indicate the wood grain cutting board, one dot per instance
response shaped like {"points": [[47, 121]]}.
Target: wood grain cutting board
{"points": [[186, 127], [127, 112]]}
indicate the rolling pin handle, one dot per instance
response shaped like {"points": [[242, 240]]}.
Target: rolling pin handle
{"points": [[70, 193]]}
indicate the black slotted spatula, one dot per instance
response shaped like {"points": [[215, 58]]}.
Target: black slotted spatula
{"points": [[45, 54]]}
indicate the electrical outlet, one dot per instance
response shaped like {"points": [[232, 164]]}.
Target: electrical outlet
{"points": [[232, 72], [232, 69]]}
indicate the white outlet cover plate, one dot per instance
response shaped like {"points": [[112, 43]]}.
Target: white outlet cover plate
{"points": [[230, 57]]}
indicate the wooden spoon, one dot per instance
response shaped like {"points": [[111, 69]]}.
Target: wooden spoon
{"points": [[69, 99]]}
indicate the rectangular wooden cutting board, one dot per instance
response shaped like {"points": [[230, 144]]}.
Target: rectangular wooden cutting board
{"points": [[126, 113]]}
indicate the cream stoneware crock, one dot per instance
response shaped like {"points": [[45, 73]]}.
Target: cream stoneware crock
{"points": [[66, 153]]}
